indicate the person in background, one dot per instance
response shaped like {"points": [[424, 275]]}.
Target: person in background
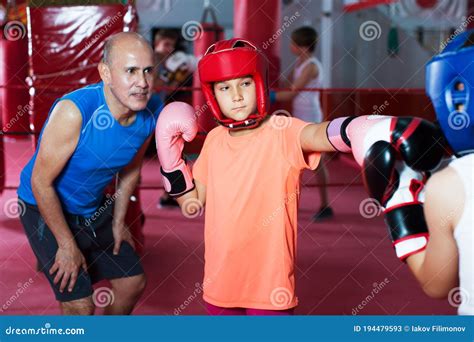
{"points": [[306, 104], [174, 69]]}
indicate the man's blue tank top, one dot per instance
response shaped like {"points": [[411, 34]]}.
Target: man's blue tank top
{"points": [[103, 149]]}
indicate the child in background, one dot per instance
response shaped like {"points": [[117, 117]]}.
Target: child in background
{"points": [[173, 70], [306, 104]]}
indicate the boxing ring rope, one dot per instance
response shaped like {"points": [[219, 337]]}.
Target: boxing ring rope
{"points": [[324, 92], [414, 91], [60, 89]]}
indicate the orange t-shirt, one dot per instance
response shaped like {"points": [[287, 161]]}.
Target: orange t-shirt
{"points": [[252, 194]]}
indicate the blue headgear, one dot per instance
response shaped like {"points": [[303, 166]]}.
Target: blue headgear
{"points": [[450, 85]]}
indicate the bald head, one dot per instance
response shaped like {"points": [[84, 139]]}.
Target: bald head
{"points": [[125, 42], [127, 70]]}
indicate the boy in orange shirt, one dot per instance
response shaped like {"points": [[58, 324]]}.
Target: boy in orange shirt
{"points": [[247, 176]]}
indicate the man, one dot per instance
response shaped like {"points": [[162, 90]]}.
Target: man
{"points": [[92, 135]]}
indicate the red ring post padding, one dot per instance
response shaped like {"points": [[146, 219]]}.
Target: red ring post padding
{"points": [[210, 33], [260, 22], [13, 73], [2, 164]]}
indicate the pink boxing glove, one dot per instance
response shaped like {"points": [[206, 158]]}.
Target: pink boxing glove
{"points": [[417, 141], [394, 154], [351, 133], [176, 124]]}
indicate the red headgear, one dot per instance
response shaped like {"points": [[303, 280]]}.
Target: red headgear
{"points": [[229, 59]]}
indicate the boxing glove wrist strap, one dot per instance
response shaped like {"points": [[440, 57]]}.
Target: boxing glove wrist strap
{"points": [[336, 133], [179, 180], [408, 229]]}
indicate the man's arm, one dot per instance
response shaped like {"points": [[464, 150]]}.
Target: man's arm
{"points": [[436, 268], [314, 138], [58, 142], [127, 181]]}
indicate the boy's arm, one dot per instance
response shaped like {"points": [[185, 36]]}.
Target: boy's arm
{"points": [[177, 124], [314, 138], [309, 72], [436, 268], [286, 82], [193, 201], [410, 136]]}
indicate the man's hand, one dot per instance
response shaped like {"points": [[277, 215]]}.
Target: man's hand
{"points": [[67, 264], [121, 233], [58, 142]]}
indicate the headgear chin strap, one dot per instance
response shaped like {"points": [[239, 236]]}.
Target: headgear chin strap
{"points": [[450, 85], [229, 59]]}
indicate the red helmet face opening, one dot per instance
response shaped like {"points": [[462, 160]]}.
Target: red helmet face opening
{"points": [[230, 59]]}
